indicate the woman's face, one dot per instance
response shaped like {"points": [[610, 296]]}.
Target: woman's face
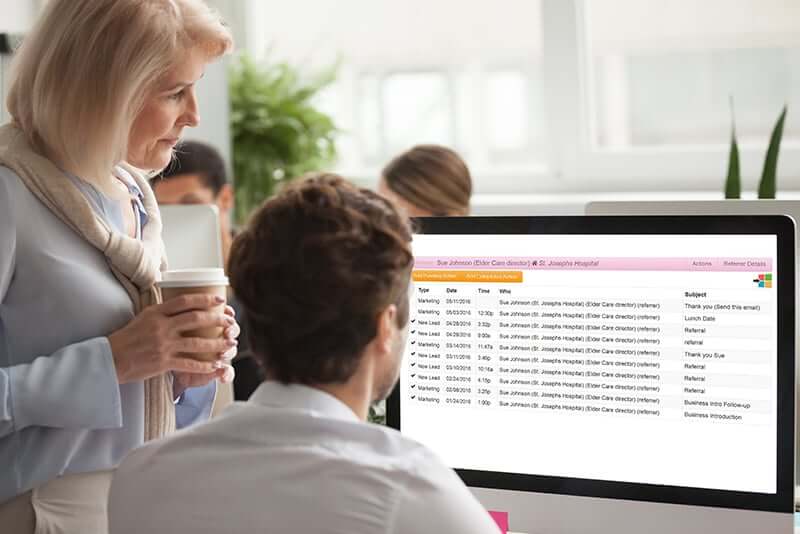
{"points": [[170, 108]]}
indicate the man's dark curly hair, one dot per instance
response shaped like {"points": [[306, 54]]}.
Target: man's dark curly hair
{"points": [[313, 269]]}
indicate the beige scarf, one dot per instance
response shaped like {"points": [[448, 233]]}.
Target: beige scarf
{"points": [[135, 263]]}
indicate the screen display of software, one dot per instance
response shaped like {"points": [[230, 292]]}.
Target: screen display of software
{"points": [[632, 358]]}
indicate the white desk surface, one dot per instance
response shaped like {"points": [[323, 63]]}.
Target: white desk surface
{"points": [[796, 525]]}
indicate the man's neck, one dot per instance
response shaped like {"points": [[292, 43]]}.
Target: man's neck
{"points": [[357, 392]]}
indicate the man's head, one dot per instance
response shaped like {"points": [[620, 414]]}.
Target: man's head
{"points": [[323, 273], [196, 176]]}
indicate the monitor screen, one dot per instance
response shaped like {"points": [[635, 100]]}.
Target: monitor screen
{"points": [[192, 236], [708, 207], [642, 352]]}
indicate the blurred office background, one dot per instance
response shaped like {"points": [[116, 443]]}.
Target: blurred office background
{"points": [[551, 102]]}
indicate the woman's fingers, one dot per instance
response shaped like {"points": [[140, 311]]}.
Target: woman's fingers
{"points": [[229, 355], [233, 331], [192, 345], [194, 320], [183, 364], [228, 374], [184, 303]]}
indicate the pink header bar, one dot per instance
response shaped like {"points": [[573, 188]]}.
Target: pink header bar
{"points": [[594, 264]]}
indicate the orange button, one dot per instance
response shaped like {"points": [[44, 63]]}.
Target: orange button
{"points": [[503, 277]]}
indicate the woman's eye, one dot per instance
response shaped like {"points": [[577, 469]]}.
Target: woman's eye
{"points": [[176, 96]]}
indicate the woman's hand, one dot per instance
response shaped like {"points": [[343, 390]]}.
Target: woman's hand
{"points": [[152, 343], [183, 381]]}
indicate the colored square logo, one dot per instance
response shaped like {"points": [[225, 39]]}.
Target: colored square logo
{"points": [[763, 280]]}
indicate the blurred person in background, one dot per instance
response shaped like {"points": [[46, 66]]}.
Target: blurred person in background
{"points": [[92, 365], [428, 180], [198, 175]]}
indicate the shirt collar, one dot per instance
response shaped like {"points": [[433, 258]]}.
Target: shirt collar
{"points": [[300, 397]]}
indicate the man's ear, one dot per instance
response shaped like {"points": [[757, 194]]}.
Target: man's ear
{"points": [[225, 198], [387, 324]]}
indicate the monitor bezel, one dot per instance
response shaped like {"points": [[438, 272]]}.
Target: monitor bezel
{"points": [[779, 225]]}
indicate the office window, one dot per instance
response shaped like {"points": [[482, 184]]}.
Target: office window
{"points": [[663, 73], [555, 95], [369, 125], [462, 74], [514, 110], [416, 107]]}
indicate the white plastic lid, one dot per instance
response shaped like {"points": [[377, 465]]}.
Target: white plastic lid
{"points": [[193, 277]]}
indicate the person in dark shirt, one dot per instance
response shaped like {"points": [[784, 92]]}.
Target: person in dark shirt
{"points": [[197, 175]]}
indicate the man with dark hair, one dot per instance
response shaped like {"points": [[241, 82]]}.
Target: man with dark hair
{"points": [[323, 272], [197, 175]]}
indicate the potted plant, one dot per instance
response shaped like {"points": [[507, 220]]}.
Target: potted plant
{"points": [[767, 185], [277, 132]]}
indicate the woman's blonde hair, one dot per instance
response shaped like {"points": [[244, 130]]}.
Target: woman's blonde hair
{"points": [[431, 177], [83, 74]]}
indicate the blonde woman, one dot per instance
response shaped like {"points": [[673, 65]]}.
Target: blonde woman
{"points": [[91, 365], [428, 180]]}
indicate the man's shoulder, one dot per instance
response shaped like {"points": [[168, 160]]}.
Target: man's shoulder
{"points": [[158, 456], [246, 427], [139, 459], [254, 450], [429, 484], [400, 449], [158, 476]]}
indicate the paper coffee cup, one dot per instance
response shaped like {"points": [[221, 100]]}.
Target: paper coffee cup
{"points": [[192, 281]]}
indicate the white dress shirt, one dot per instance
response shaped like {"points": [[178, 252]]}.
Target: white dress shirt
{"points": [[291, 460]]}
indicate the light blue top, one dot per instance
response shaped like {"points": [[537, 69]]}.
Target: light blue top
{"points": [[61, 408]]}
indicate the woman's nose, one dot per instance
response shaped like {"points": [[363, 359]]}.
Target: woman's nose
{"points": [[191, 115]]}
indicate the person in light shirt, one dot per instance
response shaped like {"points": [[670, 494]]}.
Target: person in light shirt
{"points": [[323, 273]]}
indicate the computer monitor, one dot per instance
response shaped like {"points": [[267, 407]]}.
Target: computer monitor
{"points": [[192, 236], [713, 207], [607, 374]]}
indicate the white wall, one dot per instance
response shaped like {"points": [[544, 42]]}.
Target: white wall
{"points": [[656, 25], [387, 34], [16, 16], [212, 99]]}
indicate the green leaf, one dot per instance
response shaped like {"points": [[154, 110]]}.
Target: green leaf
{"points": [[767, 186], [277, 133], [733, 184]]}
